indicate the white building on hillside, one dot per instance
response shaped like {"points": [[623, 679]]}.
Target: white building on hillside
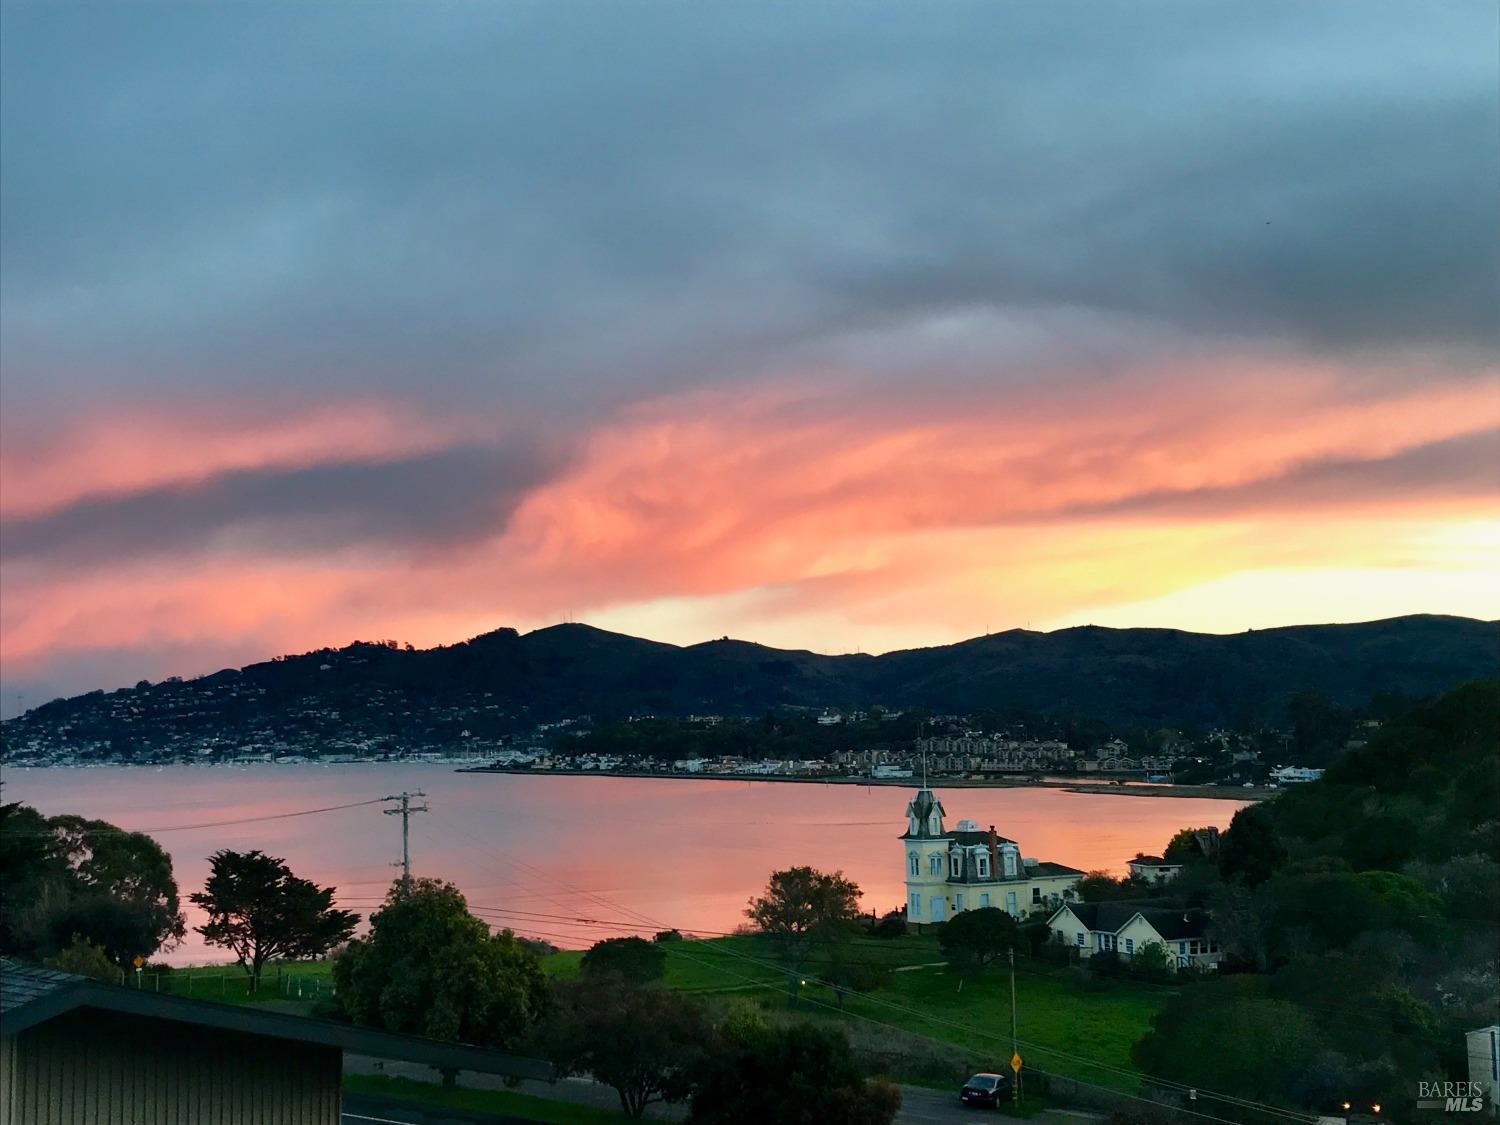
{"points": [[948, 872], [1285, 775]]}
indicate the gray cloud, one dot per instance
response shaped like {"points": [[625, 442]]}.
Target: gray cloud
{"points": [[572, 206], [412, 504], [1461, 467]]}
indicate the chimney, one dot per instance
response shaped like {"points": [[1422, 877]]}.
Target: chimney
{"points": [[994, 853]]}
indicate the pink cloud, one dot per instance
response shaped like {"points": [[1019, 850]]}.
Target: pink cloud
{"points": [[793, 508]]}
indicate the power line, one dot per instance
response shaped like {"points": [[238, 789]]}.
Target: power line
{"points": [[206, 823], [1107, 1068], [648, 922], [404, 811]]}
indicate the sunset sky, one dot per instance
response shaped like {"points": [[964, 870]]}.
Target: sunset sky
{"points": [[839, 327]]}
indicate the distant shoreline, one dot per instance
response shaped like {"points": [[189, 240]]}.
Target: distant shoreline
{"points": [[1216, 792]]}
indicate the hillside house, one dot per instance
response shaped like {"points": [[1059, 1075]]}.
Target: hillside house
{"points": [[1153, 869], [1127, 927], [966, 868]]}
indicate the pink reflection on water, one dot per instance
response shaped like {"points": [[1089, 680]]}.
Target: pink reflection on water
{"points": [[539, 853]]}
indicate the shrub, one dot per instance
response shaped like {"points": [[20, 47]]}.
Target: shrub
{"points": [[1106, 963]]}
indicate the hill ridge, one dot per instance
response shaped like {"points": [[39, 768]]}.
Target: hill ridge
{"points": [[503, 681]]}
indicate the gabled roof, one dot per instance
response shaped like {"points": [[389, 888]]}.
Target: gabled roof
{"points": [[31, 996], [1171, 923]]}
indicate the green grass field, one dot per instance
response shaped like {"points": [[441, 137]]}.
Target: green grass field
{"points": [[292, 982], [1064, 1025], [1067, 1024], [746, 963]]}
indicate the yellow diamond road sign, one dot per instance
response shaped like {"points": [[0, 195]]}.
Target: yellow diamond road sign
{"points": [[1015, 1062], [139, 961]]}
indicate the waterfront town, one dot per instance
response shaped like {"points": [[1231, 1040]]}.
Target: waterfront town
{"points": [[159, 727]]}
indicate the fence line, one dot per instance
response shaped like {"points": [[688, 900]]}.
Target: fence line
{"points": [[228, 982]]}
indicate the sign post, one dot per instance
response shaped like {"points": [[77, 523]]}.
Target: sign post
{"points": [[138, 962], [1015, 1043]]}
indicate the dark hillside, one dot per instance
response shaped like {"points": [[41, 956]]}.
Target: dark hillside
{"points": [[384, 696]]}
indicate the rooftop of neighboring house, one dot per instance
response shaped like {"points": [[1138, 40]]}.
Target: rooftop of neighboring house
{"points": [[1171, 923]]}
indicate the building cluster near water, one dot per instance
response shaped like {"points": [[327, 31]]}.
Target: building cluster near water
{"points": [[175, 723], [950, 871]]}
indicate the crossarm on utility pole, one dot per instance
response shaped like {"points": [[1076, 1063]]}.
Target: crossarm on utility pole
{"points": [[404, 812]]}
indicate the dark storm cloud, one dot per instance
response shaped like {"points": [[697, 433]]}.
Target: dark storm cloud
{"points": [[1457, 468], [571, 206], [413, 504]]}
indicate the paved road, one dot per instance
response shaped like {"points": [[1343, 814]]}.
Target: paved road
{"points": [[919, 1105], [360, 1109]]}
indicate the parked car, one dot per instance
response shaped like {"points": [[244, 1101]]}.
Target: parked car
{"points": [[985, 1090]]}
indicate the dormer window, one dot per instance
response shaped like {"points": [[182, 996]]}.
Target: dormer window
{"points": [[984, 866], [956, 864]]}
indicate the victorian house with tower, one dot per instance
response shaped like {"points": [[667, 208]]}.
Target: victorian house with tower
{"points": [[949, 871]]}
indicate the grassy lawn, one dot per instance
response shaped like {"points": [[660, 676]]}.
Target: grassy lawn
{"points": [[1065, 1021], [509, 1102], [289, 981], [1061, 1020], [742, 964]]}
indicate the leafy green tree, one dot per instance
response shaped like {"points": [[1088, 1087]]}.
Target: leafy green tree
{"points": [[1251, 850], [1468, 886], [647, 1043], [430, 967], [67, 876], [972, 939], [1188, 1037], [129, 868], [1240, 924], [848, 974], [1183, 846], [1313, 911], [801, 909], [121, 929], [1320, 727], [259, 910], [32, 869], [801, 1073], [631, 958], [86, 960], [1101, 886], [1151, 961]]}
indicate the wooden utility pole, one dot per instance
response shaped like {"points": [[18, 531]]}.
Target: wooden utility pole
{"points": [[404, 812], [1015, 1044]]}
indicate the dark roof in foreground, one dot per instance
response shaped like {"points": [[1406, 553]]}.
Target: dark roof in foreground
{"points": [[31, 996]]}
